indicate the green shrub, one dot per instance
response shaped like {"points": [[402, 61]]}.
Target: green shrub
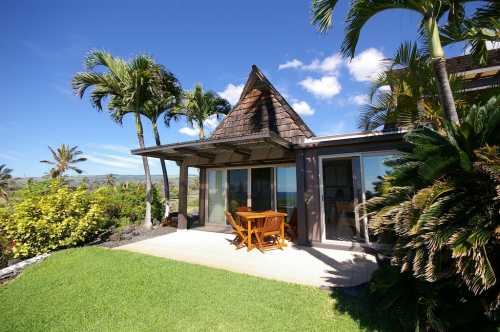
{"points": [[125, 204], [5, 252], [50, 215]]}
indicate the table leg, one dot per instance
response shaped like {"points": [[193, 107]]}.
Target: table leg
{"points": [[249, 237]]}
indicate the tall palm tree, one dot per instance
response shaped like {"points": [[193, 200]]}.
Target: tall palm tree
{"points": [[166, 95], [431, 11], [404, 96], [5, 179], [64, 159], [128, 85], [198, 106]]}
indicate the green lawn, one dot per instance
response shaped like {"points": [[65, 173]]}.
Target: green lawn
{"points": [[94, 289]]}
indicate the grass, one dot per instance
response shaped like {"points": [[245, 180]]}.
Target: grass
{"points": [[95, 289]]}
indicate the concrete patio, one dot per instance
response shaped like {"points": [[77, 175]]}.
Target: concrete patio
{"points": [[318, 267]]}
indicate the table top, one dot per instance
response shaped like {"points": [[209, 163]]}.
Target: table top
{"points": [[259, 214]]}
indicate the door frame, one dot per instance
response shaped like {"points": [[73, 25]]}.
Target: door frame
{"points": [[249, 183], [361, 156]]}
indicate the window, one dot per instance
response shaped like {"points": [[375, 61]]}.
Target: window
{"points": [[286, 190]]}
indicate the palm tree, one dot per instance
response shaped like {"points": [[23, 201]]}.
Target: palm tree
{"points": [[64, 159], [404, 95], [5, 180], [110, 180], [166, 95], [431, 11], [198, 106], [440, 206], [128, 85]]}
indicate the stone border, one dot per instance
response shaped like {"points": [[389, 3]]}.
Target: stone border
{"points": [[13, 270]]}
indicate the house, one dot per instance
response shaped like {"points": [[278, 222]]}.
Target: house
{"points": [[263, 155]]}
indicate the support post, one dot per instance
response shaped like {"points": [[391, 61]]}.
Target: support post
{"points": [[302, 238], [182, 221]]}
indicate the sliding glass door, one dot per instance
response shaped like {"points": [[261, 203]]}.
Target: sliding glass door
{"points": [[216, 196], [262, 189], [237, 188], [286, 190]]}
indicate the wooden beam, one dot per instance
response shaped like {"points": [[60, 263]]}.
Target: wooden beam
{"points": [[182, 218], [196, 152], [235, 149]]}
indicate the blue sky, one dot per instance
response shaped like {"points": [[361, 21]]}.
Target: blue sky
{"points": [[211, 42]]}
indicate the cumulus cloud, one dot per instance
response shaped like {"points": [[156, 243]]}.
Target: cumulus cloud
{"points": [[302, 108], [189, 131], [211, 122], [359, 99], [324, 87], [367, 65], [295, 63], [329, 64], [232, 93]]}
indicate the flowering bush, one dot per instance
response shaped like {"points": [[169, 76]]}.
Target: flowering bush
{"points": [[51, 215]]}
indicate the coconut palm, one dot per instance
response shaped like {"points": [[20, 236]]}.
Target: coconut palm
{"points": [[198, 106], [431, 11], [440, 207], [128, 86], [64, 159], [166, 94], [5, 180], [404, 96]]}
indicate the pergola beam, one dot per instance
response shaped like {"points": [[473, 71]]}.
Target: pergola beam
{"points": [[195, 152], [235, 149]]}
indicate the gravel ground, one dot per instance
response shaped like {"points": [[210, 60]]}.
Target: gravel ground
{"points": [[135, 235]]}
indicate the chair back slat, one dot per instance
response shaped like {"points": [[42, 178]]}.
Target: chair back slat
{"points": [[230, 219], [271, 224], [243, 209]]}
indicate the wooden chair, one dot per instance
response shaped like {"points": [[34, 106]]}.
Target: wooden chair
{"points": [[242, 209], [270, 229], [239, 232]]}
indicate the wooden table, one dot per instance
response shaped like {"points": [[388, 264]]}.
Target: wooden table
{"points": [[253, 216]]}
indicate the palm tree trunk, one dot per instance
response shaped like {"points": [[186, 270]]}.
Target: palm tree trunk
{"points": [[166, 185], [439, 66], [149, 197], [202, 130]]}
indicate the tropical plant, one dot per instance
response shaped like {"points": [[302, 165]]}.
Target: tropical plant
{"points": [[404, 96], [5, 180], [166, 93], [122, 203], [64, 159], [129, 86], [431, 11], [440, 206], [51, 215], [198, 106]]}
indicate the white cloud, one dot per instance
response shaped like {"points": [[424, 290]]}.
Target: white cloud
{"points": [[189, 131], [8, 156], [367, 65], [295, 63], [492, 45], [232, 93], [211, 122], [302, 108], [329, 64], [325, 87], [359, 99], [112, 147]]}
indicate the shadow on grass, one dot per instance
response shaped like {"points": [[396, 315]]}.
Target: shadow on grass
{"points": [[354, 301]]}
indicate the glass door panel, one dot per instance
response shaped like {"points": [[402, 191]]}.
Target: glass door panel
{"points": [[216, 196], [286, 190], [237, 188], [341, 183], [262, 189]]}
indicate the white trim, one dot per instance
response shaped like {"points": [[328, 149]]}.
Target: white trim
{"points": [[353, 135]]}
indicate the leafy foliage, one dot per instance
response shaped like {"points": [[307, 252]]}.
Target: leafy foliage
{"points": [[64, 159], [198, 106], [5, 181], [124, 204], [440, 207], [50, 215]]}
